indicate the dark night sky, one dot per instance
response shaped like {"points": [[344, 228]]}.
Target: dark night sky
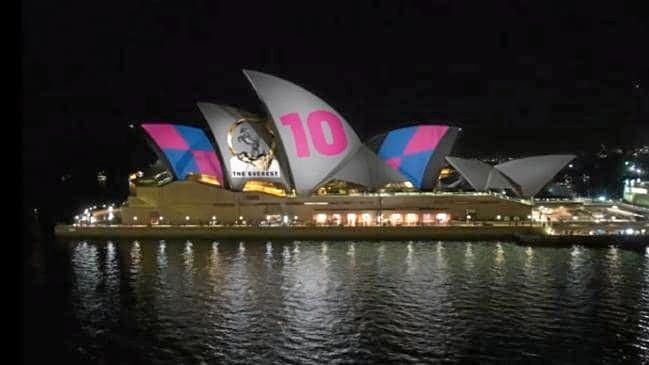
{"points": [[518, 78]]}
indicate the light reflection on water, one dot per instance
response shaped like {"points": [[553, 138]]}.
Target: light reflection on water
{"points": [[642, 342], [323, 302], [111, 269], [409, 264], [500, 254], [136, 258], [86, 279], [215, 260], [351, 252], [162, 254], [468, 255]]}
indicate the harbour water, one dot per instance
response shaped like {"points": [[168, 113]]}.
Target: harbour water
{"points": [[318, 302]]}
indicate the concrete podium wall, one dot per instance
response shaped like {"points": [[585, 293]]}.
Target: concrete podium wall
{"points": [[298, 233]]}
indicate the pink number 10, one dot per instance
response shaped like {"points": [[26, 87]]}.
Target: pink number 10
{"points": [[315, 122]]}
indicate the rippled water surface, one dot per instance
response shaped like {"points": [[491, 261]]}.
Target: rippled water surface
{"points": [[342, 302]]}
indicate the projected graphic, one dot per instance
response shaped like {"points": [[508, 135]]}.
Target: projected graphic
{"points": [[408, 150], [187, 149]]}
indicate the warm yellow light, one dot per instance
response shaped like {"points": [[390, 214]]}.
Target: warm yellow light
{"points": [[404, 185], [321, 218], [442, 217], [135, 175], [351, 219], [396, 218], [445, 172], [204, 179], [263, 187], [412, 218]]}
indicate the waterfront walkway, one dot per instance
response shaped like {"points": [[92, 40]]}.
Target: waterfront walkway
{"points": [[528, 235], [298, 232]]}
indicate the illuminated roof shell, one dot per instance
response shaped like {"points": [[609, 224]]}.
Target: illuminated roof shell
{"points": [[226, 124], [533, 173], [417, 152], [185, 149], [317, 140], [525, 176]]}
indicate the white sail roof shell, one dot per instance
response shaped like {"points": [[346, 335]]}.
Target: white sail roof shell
{"points": [[367, 169], [475, 172], [309, 167], [525, 176], [220, 118], [533, 173]]}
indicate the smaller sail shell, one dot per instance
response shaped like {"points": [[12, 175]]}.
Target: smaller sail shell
{"points": [[525, 176], [366, 169], [186, 149], [475, 172], [533, 173], [244, 145], [417, 152]]}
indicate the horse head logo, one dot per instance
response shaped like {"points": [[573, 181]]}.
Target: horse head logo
{"points": [[249, 147]]}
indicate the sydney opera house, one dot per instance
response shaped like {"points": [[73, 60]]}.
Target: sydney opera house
{"points": [[303, 163]]}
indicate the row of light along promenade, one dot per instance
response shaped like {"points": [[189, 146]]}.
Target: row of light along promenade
{"points": [[627, 235]]}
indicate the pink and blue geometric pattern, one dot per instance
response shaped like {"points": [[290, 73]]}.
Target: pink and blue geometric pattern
{"points": [[186, 148], [408, 150]]}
